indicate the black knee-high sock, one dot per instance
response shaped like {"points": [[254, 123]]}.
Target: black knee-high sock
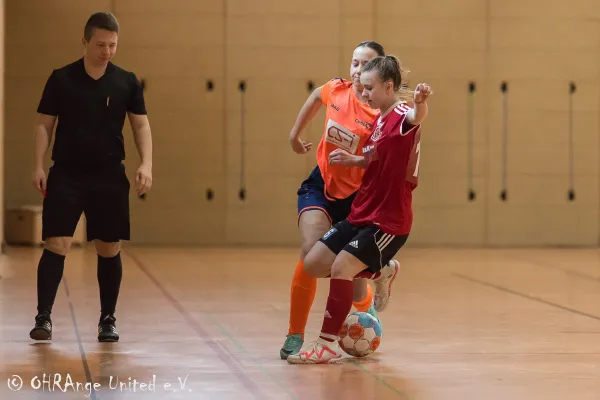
{"points": [[49, 274], [110, 272]]}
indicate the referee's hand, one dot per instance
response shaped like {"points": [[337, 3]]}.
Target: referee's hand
{"points": [[39, 179], [143, 179]]}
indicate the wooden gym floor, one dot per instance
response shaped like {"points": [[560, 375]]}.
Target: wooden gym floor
{"points": [[463, 324]]}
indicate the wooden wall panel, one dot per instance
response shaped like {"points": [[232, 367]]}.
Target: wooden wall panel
{"points": [[177, 50], [277, 48], [539, 53]]}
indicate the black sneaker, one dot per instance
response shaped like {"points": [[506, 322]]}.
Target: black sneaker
{"points": [[43, 327], [107, 331]]}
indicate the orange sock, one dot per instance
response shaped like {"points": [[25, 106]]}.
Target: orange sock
{"points": [[365, 303], [304, 289]]}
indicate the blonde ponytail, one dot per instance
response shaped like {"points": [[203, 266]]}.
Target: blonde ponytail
{"points": [[389, 68]]}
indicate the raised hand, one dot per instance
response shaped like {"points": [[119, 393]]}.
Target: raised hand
{"points": [[422, 92]]}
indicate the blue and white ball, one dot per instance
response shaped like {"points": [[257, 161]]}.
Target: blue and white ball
{"points": [[360, 335]]}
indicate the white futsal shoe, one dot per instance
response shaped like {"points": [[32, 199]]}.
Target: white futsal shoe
{"points": [[383, 284], [320, 351]]}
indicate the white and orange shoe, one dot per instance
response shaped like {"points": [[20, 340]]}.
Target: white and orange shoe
{"points": [[383, 284], [320, 351]]}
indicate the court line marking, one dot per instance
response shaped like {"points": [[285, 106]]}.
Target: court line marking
{"points": [[572, 272], [352, 361], [86, 368], [356, 364], [228, 359], [379, 379], [240, 347], [525, 296], [243, 349], [567, 271]]}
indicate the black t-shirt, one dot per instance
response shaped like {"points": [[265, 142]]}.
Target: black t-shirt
{"points": [[91, 113]]}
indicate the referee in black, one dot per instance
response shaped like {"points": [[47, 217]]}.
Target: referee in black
{"points": [[90, 98]]}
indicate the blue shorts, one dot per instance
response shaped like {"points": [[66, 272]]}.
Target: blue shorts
{"points": [[311, 196]]}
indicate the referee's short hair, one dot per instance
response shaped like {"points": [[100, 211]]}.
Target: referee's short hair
{"points": [[100, 20]]}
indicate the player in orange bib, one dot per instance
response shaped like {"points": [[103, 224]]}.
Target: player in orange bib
{"points": [[326, 196]]}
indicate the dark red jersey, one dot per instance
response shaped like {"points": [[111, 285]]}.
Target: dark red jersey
{"points": [[392, 154]]}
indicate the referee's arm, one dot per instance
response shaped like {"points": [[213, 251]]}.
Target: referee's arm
{"points": [[142, 136], [138, 119], [44, 127], [42, 138]]}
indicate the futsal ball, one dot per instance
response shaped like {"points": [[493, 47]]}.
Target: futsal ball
{"points": [[360, 335]]}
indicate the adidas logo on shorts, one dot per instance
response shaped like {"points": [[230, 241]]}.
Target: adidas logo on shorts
{"points": [[354, 244]]}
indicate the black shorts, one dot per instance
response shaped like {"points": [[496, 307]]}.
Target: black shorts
{"points": [[369, 244], [103, 195]]}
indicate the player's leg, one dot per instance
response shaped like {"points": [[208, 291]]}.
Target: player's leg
{"points": [[314, 219], [383, 278], [363, 294], [62, 207], [361, 257], [383, 284], [320, 259], [107, 210], [339, 302], [313, 223], [319, 262]]}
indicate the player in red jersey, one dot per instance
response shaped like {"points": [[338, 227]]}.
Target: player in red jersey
{"points": [[380, 220]]}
